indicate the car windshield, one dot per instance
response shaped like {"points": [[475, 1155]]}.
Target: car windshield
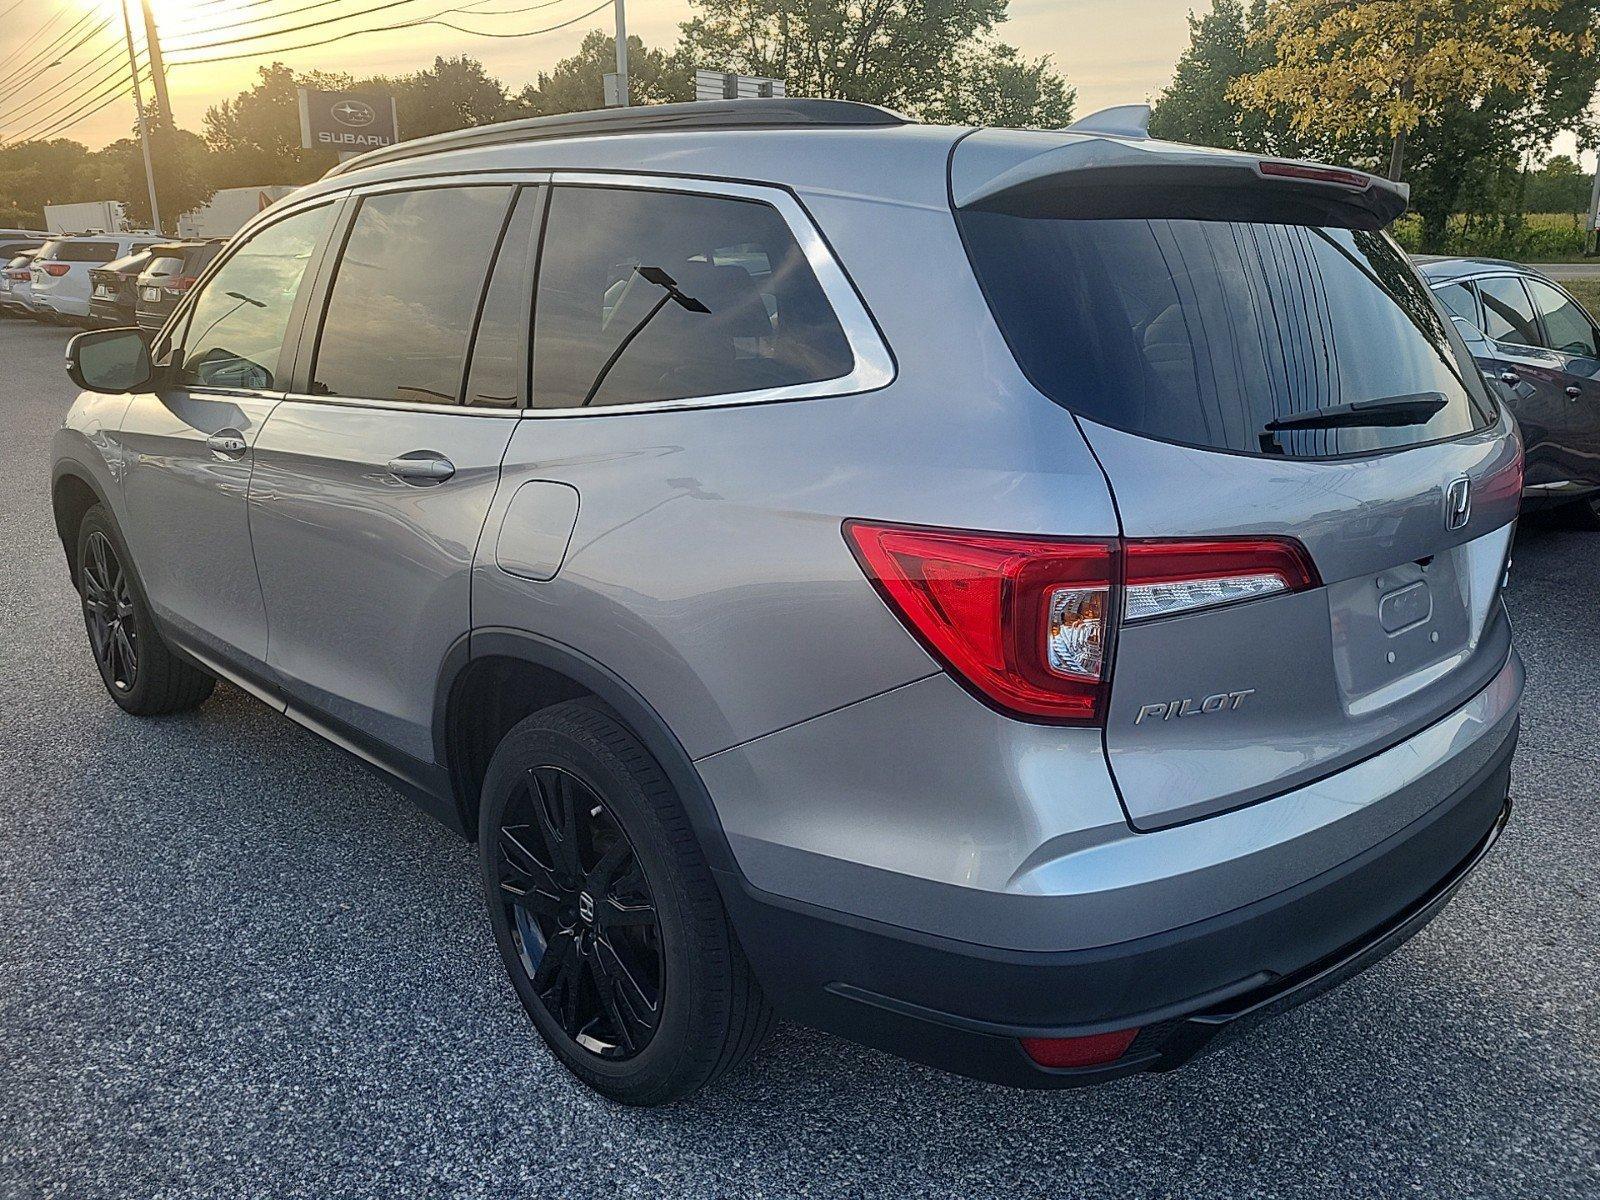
{"points": [[1249, 337]]}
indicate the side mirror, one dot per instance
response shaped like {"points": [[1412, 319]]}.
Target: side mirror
{"points": [[110, 360]]}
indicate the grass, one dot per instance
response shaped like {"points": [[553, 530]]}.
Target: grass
{"points": [[1587, 292], [1538, 237]]}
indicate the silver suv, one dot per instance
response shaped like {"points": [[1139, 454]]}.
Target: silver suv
{"points": [[1028, 601]]}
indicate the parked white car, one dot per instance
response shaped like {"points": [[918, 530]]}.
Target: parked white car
{"points": [[61, 284], [16, 285]]}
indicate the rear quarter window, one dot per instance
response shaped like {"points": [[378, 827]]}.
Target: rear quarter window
{"points": [[1246, 337]]}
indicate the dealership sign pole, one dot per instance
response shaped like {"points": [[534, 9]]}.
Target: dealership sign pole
{"points": [[348, 123]]}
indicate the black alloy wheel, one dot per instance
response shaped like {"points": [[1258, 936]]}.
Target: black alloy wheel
{"points": [[108, 611], [582, 913]]}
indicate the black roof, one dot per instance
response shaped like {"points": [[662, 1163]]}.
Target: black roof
{"points": [[778, 112]]}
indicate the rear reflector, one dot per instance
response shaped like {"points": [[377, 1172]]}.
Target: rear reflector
{"points": [[1169, 577], [1028, 624], [1095, 1050]]}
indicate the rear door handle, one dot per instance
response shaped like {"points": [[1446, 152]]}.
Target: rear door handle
{"points": [[229, 443], [422, 467], [1574, 390]]}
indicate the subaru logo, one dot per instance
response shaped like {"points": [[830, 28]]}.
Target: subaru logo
{"points": [[354, 113], [1458, 503]]}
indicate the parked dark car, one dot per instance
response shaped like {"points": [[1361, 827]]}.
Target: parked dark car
{"points": [[172, 270], [1543, 348], [113, 289]]}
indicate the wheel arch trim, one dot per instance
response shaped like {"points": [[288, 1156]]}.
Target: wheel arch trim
{"points": [[609, 687]]}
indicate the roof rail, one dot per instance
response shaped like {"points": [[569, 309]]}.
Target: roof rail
{"points": [[778, 112]]}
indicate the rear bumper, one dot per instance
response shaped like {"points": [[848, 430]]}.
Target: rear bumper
{"points": [[962, 1007]]}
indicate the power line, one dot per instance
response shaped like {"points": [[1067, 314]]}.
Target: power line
{"points": [[61, 12], [256, 37], [190, 62], [72, 116], [37, 64], [59, 85], [54, 42], [71, 121]]}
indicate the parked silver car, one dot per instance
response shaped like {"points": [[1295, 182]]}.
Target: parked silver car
{"points": [[1030, 601]]}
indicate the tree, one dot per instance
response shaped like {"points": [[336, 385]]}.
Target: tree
{"points": [[577, 84], [1560, 186], [33, 174], [256, 135], [455, 93], [991, 83], [1224, 45], [926, 57], [184, 178], [1456, 87]]}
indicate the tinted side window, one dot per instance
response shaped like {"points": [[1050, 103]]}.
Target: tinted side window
{"points": [[499, 352], [1507, 315], [406, 293], [647, 296], [236, 330], [1459, 300], [1566, 326]]}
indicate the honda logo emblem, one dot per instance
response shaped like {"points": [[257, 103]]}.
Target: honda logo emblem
{"points": [[1458, 503]]}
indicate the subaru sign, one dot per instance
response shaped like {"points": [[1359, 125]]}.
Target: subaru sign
{"points": [[346, 122]]}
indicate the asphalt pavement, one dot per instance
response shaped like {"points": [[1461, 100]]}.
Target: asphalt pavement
{"points": [[233, 963]]}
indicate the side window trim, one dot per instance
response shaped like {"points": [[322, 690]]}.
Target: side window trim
{"points": [[874, 366]]}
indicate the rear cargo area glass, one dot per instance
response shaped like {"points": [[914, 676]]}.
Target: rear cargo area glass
{"points": [[1226, 335]]}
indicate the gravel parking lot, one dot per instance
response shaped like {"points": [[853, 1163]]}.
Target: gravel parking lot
{"points": [[233, 963]]}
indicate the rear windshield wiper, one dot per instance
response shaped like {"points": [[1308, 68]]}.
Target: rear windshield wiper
{"points": [[1416, 409]]}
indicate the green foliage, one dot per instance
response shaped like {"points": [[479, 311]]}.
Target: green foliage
{"points": [[1524, 237], [577, 84], [1586, 292], [931, 58], [1559, 187], [256, 135]]}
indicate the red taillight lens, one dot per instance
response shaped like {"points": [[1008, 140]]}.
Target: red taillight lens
{"points": [[180, 283], [1029, 623], [57, 270], [1093, 1051], [1023, 621], [1165, 578], [1291, 170]]}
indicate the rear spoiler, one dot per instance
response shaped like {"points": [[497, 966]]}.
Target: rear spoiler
{"points": [[1119, 174]]}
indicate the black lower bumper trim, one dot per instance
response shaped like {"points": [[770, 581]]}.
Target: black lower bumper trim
{"points": [[1185, 989]]}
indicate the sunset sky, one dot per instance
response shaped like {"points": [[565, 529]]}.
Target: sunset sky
{"points": [[1117, 52]]}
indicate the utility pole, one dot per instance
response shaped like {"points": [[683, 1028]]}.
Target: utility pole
{"points": [[622, 55], [144, 125], [158, 70]]}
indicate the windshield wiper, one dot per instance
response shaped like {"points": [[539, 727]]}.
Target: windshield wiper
{"points": [[1415, 409]]}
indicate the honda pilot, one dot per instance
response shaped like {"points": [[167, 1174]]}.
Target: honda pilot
{"points": [[1027, 601]]}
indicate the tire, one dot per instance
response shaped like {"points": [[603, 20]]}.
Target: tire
{"points": [[575, 761], [138, 669]]}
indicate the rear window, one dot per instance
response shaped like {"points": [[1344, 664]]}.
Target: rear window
{"points": [[89, 252], [128, 263], [164, 265], [1252, 338]]}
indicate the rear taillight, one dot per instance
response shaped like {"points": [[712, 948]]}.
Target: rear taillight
{"points": [[1029, 623], [179, 284], [1165, 578], [56, 270], [1022, 620]]}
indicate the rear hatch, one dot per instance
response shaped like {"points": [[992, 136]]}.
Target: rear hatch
{"points": [[1256, 366]]}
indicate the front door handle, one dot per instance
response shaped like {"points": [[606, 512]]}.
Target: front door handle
{"points": [[422, 467], [1574, 390], [229, 443], [1510, 377]]}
